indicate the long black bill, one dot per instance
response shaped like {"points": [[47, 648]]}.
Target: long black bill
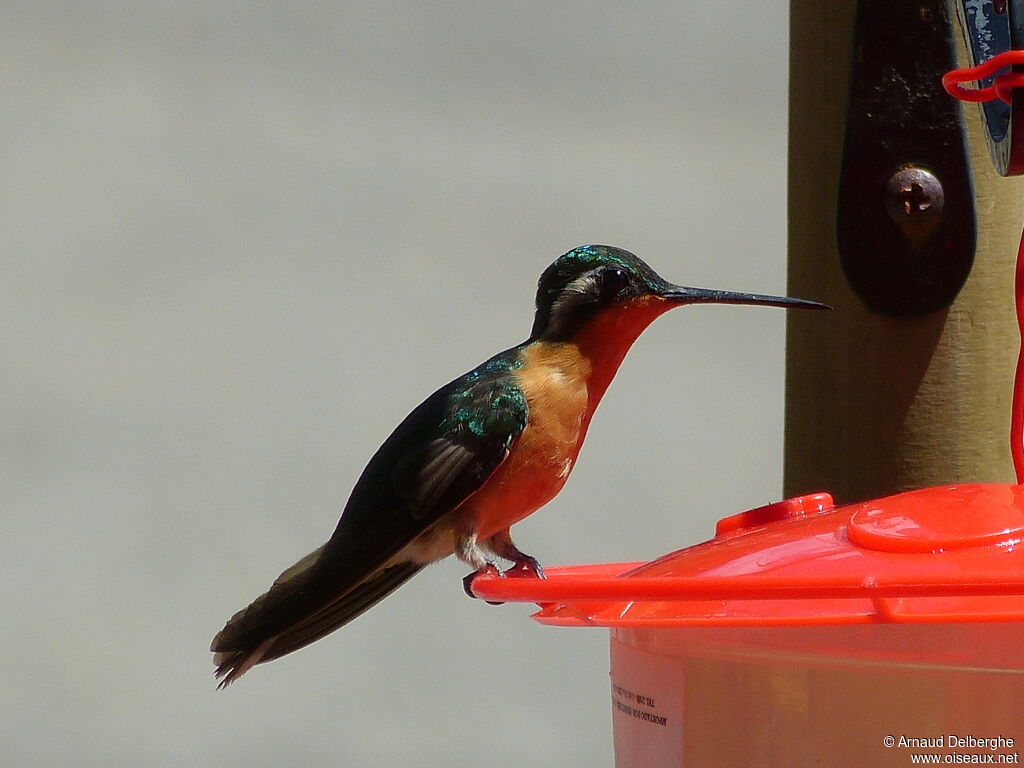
{"points": [[683, 295]]}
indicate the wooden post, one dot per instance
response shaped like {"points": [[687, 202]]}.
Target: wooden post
{"points": [[876, 405]]}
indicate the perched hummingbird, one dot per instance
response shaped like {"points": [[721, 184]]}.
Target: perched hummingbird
{"points": [[475, 457]]}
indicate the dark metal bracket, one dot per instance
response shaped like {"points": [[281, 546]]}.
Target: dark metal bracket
{"points": [[991, 27], [905, 215]]}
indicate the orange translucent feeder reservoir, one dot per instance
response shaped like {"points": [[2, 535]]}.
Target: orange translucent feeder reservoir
{"points": [[806, 634]]}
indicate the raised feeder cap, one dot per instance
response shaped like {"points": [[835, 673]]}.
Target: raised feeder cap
{"points": [[946, 554]]}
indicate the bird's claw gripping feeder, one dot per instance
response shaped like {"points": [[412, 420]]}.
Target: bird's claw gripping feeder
{"points": [[807, 633]]}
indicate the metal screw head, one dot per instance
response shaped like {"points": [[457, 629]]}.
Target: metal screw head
{"points": [[913, 196]]}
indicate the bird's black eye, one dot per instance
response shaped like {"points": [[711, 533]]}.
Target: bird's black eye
{"points": [[613, 280]]}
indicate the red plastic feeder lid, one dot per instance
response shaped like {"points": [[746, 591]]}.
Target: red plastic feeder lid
{"points": [[948, 554]]}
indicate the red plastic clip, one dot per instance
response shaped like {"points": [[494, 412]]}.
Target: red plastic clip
{"points": [[1002, 87]]}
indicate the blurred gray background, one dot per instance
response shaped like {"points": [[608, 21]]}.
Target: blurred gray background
{"points": [[242, 240]]}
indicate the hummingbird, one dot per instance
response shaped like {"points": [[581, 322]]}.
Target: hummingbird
{"points": [[477, 456]]}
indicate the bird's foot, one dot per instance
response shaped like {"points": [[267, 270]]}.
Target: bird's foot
{"points": [[488, 570], [524, 567]]}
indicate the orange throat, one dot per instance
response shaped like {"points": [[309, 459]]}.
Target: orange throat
{"points": [[606, 339], [563, 382]]}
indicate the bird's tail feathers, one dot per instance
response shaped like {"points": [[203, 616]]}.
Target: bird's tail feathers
{"points": [[303, 605]]}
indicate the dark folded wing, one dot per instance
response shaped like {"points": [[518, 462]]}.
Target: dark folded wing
{"points": [[437, 458]]}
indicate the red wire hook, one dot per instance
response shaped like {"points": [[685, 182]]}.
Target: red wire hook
{"points": [[1002, 87]]}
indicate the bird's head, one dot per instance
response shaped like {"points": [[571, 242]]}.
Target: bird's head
{"points": [[594, 283]]}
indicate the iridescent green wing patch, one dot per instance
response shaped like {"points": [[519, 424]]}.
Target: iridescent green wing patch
{"points": [[483, 412]]}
